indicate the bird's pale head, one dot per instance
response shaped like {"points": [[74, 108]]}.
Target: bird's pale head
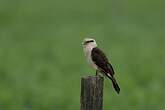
{"points": [[89, 42]]}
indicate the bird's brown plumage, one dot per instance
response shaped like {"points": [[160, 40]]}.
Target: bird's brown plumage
{"points": [[104, 66], [101, 61]]}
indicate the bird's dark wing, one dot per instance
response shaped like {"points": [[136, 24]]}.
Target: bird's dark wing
{"points": [[111, 68], [101, 61]]}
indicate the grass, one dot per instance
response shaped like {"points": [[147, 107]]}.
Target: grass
{"points": [[42, 59]]}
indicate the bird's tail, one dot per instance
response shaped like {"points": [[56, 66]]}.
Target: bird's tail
{"points": [[115, 85]]}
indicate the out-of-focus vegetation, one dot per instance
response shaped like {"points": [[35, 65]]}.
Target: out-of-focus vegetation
{"points": [[41, 58]]}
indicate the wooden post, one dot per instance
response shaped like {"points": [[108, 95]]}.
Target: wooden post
{"points": [[92, 93]]}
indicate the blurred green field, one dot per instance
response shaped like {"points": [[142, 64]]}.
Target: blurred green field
{"points": [[41, 58]]}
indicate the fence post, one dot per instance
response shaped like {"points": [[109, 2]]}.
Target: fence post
{"points": [[92, 93]]}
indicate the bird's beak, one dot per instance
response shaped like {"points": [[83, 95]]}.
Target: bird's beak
{"points": [[82, 43]]}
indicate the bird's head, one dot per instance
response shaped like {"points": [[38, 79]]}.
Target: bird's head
{"points": [[89, 42]]}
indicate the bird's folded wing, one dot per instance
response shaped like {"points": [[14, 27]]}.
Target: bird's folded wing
{"points": [[101, 61]]}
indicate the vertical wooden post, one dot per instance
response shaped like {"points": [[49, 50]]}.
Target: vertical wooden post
{"points": [[92, 93]]}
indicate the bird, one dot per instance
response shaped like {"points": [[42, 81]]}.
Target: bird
{"points": [[98, 60]]}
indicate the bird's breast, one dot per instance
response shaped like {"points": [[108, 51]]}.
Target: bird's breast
{"points": [[88, 52]]}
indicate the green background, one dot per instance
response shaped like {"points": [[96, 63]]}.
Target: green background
{"points": [[42, 61]]}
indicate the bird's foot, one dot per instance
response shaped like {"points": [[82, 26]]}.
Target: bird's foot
{"points": [[96, 73]]}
